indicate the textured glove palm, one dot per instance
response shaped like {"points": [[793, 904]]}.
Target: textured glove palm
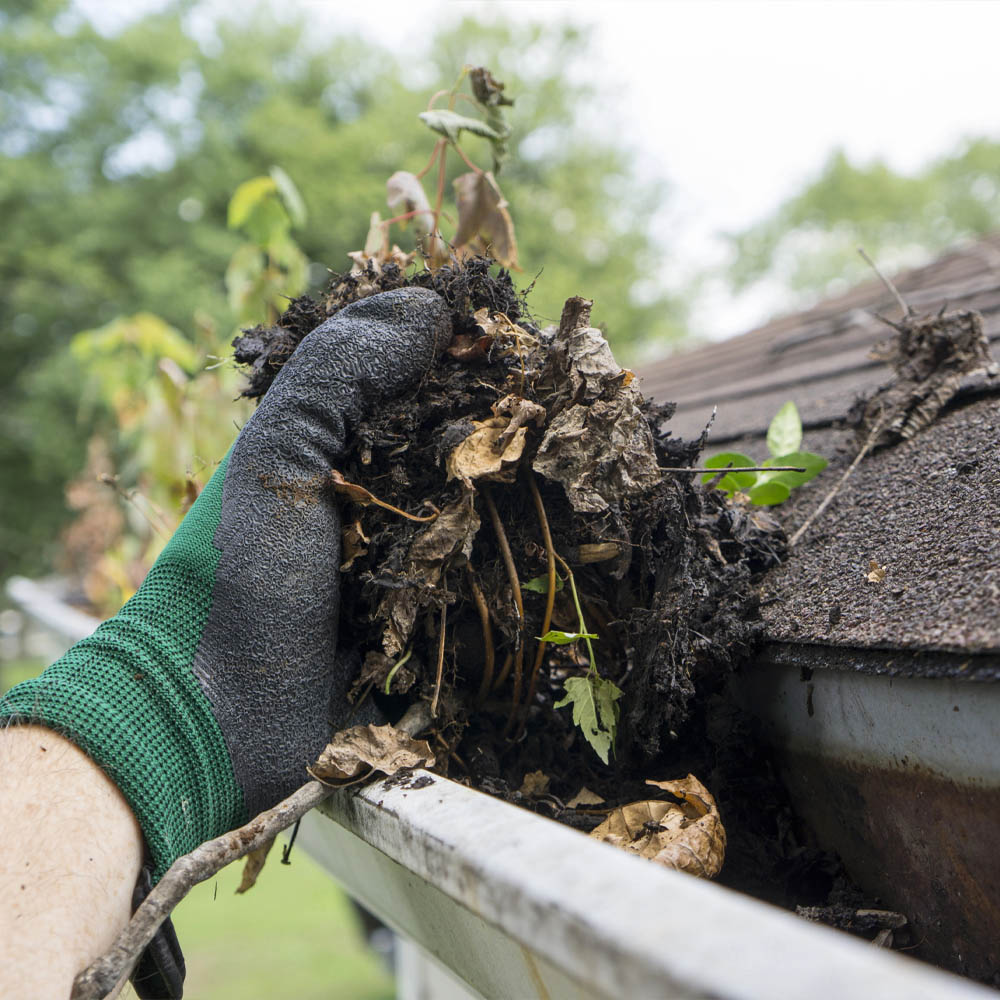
{"points": [[206, 696]]}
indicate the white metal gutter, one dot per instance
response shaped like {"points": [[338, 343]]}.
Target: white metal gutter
{"points": [[518, 906]]}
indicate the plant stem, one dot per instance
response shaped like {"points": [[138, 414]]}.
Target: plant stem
{"points": [[489, 653], [579, 611], [438, 146], [440, 663], [458, 149], [543, 521], [396, 666]]}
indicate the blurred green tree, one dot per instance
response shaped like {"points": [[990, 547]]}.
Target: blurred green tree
{"points": [[121, 150], [811, 240]]}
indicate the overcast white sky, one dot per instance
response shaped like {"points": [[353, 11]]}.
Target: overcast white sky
{"points": [[738, 102]]}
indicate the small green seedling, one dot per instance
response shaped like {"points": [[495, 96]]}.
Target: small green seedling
{"points": [[594, 698], [784, 437]]}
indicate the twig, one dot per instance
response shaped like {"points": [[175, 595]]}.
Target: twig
{"points": [[550, 555], [98, 979], [515, 586], [907, 311], [489, 653], [848, 472], [739, 468], [101, 976], [440, 662]]}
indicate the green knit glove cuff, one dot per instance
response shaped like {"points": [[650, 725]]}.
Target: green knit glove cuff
{"points": [[128, 697]]}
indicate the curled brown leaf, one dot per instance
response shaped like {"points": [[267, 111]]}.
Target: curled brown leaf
{"points": [[359, 752], [688, 836]]}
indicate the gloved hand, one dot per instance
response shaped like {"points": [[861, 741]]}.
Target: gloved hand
{"points": [[207, 695]]}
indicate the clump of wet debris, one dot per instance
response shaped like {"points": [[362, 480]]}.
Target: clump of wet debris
{"points": [[528, 456]]}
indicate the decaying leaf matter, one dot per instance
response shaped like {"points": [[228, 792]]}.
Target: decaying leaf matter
{"points": [[688, 836], [930, 355], [600, 446], [361, 751]]}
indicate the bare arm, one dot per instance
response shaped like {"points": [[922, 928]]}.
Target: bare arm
{"points": [[71, 858]]}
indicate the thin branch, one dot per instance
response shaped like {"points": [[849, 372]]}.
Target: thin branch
{"points": [[98, 979], [440, 662], [848, 472], [907, 311], [208, 859]]}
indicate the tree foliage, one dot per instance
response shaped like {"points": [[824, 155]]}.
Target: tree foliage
{"points": [[121, 152], [900, 219]]}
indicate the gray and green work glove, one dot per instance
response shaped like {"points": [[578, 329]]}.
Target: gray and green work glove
{"points": [[207, 695]]}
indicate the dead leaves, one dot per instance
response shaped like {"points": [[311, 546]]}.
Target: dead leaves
{"points": [[930, 355], [495, 446], [449, 539], [600, 446], [687, 836], [360, 752], [484, 224]]}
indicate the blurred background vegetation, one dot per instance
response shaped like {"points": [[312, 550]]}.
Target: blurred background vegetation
{"points": [[122, 149]]}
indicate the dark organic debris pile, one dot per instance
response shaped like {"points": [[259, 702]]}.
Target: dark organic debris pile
{"points": [[528, 456], [929, 355]]}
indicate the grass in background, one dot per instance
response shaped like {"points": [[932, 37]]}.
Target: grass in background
{"points": [[294, 934]]}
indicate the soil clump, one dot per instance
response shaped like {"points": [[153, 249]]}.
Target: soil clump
{"points": [[528, 455]]}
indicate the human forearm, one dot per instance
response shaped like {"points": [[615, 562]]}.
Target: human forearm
{"points": [[73, 850]]}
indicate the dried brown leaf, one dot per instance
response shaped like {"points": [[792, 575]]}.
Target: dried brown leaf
{"points": [[535, 783], [688, 836], [354, 544], [489, 452], [449, 538], [359, 752], [600, 447], [253, 866], [483, 220], [584, 797], [469, 350]]}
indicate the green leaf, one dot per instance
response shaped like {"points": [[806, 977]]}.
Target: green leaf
{"points": [[785, 433], [735, 480], [450, 124], [540, 584], [813, 464], [247, 197], [595, 710], [769, 494], [565, 638], [294, 204]]}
